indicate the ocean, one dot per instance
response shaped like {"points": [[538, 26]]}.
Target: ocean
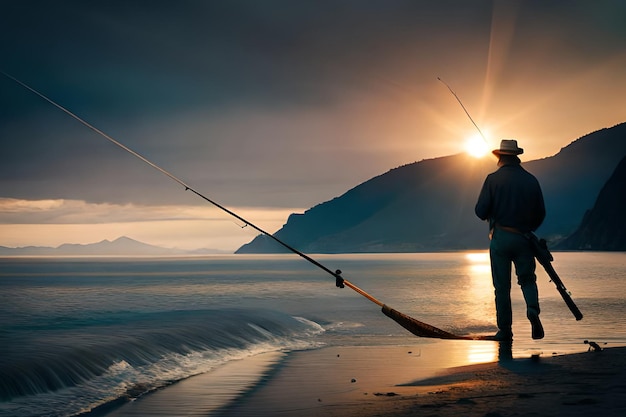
{"points": [[81, 336]]}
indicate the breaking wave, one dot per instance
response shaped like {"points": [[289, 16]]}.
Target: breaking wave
{"points": [[136, 354]]}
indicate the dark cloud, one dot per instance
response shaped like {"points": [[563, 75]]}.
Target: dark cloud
{"points": [[123, 56]]}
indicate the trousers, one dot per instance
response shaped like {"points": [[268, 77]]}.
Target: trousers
{"points": [[507, 249]]}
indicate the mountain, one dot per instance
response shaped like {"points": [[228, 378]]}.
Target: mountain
{"points": [[429, 205], [122, 246], [573, 178], [604, 226], [416, 207]]}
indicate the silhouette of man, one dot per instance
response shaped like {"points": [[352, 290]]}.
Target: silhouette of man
{"points": [[512, 201]]}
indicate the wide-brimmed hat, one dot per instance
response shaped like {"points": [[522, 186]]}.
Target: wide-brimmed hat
{"points": [[508, 147]]}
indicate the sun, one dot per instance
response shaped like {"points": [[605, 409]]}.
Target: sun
{"points": [[476, 146]]}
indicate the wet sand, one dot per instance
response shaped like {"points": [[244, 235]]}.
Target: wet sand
{"points": [[439, 379]]}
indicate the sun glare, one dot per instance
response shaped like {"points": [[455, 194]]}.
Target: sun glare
{"points": [[476, 146]]}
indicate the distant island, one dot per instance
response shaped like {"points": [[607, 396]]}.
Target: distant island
{"points": [[122, 246]]}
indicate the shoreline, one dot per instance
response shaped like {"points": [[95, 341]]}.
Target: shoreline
{"points": [[586, 383], [422, 379], [581, 384], [199, 395]]}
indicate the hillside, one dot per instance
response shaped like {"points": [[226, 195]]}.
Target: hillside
{"points": [[429, 205], [573, 178], [604, 226]]}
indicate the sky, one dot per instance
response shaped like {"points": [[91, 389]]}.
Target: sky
{"points": [[272, 107]]}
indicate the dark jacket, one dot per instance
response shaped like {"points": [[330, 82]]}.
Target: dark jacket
{"points": [[511, 197]]}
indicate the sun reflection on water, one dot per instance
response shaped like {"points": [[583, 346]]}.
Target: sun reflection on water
{"points": [[482, 352], [479, 262], [478, 293]]}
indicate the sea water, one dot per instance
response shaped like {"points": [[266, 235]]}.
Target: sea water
{"points": [[79, 335]]}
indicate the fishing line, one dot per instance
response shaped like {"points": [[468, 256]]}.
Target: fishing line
{"points": [[414, 326], [465, 110]]}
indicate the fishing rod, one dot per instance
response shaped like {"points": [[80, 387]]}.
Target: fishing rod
{"points": [[464, 109], [416, 327], [336, 274]]}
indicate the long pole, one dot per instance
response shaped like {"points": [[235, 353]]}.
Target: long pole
{"points": [[464, 109], [414, 326], [336, 274]]}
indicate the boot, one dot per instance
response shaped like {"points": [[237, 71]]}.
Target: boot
{"points": [[505, 335], [537, 328]]}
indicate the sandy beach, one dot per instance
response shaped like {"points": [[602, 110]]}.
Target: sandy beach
{"points": [[424, 380]]}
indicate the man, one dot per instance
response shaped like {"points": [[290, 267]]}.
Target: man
{"points": [[512, 201]]}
